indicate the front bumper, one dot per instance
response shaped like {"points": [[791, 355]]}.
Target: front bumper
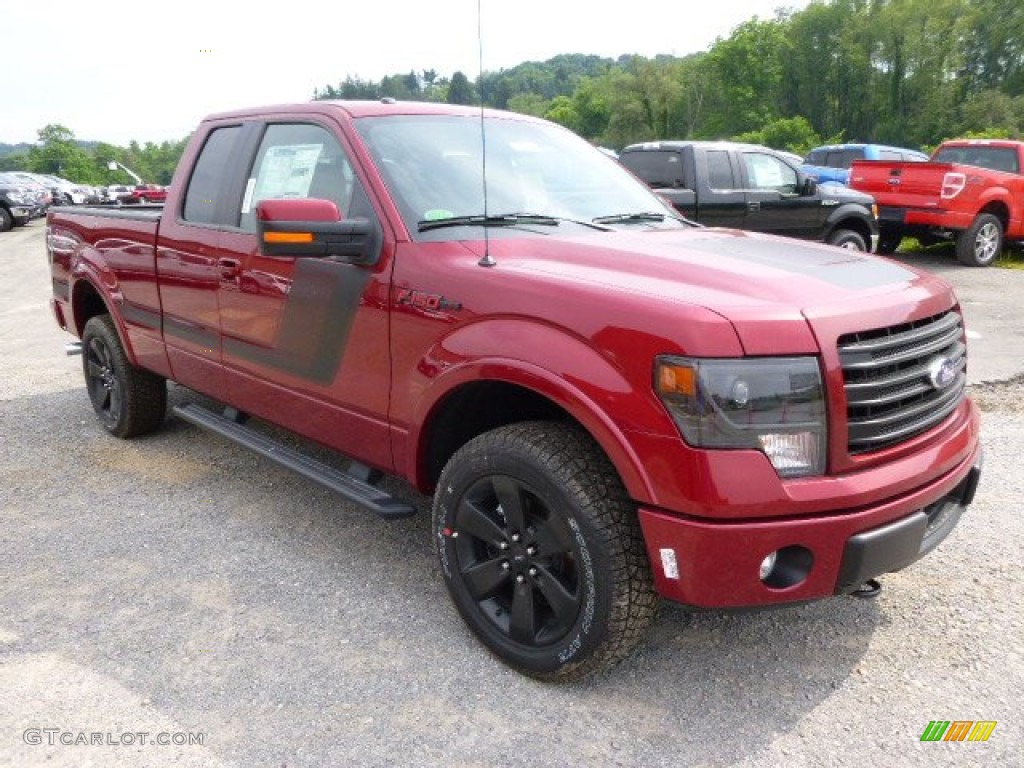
{"points": [[716, 565], [22, 212]]}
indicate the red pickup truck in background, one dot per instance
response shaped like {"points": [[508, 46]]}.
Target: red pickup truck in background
{"points": [[971, 191], [145, 193], [607, 402]]}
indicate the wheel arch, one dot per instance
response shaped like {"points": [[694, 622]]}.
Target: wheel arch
{"points": [[88, 301], [998, 208], [846, 218], [476, 405]]}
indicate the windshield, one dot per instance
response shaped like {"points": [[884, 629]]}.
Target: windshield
{"points": [[432, 166]]}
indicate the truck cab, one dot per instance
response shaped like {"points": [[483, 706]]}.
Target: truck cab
{"points": [[747, 186], [832, 162]]}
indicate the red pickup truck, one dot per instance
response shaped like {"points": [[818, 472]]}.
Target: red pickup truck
{"points": [[146, 193], [971, 191], [608, 402]]}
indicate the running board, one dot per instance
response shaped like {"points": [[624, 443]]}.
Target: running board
{"points": [[352, 488]]}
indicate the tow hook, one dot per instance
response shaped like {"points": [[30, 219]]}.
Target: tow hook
{"points": [[869, 589]]}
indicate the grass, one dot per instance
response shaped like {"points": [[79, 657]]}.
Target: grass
{"points": [[1012, 257]]}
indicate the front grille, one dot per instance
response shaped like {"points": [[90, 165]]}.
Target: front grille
{"points": [[888, 372]]}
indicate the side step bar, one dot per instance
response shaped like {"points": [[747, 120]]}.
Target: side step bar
{"points": [[353, 488]]}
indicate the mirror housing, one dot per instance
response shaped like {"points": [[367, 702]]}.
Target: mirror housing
{"points": [[312, 227], [809, 186]]}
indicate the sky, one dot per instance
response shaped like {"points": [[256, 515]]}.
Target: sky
{"points": [[115, 71]]}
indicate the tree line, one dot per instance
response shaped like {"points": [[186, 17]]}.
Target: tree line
{"points": [[58, 153], [903, 72]]}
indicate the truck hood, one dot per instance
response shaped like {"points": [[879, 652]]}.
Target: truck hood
{"points": [[715, 268], [748, 278]]}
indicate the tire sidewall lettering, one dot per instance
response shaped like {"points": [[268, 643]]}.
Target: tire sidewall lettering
{"points": [[589, 598]]}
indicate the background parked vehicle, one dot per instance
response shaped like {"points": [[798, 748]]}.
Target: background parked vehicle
{"points": [[146, 193], [115, 193], [17, 205], [748, 186], [971, 192], [832, 162], [67, 192], [38, 196]]}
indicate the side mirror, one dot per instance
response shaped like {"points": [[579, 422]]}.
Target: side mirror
{"points": [[810, 187], [313, 227]]}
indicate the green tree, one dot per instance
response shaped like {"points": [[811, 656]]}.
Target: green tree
{"points": [[748, 68], [460, 90], [58, 154], [563, 112], [790, 133]]}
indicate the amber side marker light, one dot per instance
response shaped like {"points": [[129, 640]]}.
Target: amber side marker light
{"points": [[288, 237], [677, 380]]}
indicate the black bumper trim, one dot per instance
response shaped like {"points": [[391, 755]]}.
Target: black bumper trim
{"points": [[896, 545]]}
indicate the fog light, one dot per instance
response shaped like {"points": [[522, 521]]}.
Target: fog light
{"points": [[767, 565]]}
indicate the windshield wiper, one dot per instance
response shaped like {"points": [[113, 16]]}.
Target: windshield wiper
{"points": [[493, 220], [506, 220], [627, 218]]}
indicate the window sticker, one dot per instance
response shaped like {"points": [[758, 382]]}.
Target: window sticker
{"points": [[286, 171]]}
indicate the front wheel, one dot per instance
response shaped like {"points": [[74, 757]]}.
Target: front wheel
{"points": [[6, 220], [541, 550], [980, 243], [128, 400], [847, 238]]}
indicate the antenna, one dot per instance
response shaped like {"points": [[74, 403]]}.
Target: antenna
{"points": [[485, 260]]}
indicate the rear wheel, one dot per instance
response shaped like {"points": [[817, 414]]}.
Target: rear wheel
{"points": [[128, 400], [847, 238], [541, 550], [980, 243]]}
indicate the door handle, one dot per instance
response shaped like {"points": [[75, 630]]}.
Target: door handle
{"points": [[229, 268], [754, 206]]}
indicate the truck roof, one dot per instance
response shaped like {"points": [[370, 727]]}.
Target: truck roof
{"points": [[705, 144], [356, 109]]}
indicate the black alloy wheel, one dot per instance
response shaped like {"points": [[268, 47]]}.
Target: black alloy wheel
{"points": [[541, 550], [128, 401], [101, 380], [519, 561]]}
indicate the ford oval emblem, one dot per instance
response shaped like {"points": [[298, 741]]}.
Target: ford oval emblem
{"points": [[942, 372]]}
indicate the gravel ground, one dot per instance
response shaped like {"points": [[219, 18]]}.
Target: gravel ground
{"points": [[177, 584]]}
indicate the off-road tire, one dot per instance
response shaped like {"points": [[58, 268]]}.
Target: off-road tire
{"points": [[128, 401], [981, 243], [849, 239], [541, 550]]}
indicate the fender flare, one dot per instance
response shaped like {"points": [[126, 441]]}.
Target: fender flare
{"points": [[560, 367], [847, 211], [92, 272]]}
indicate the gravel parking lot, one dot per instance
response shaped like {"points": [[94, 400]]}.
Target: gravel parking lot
{"points": [[178, 587]]}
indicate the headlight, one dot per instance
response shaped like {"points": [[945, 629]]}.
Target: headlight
{"points": [[21, 198], [773, 404]]}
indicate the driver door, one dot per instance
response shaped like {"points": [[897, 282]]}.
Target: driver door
{"points": [[304, 339]]}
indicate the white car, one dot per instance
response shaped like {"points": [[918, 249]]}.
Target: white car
{"points": [[115, 193]]}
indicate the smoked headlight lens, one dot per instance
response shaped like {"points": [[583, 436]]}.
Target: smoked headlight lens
{"points": [[775, 405]]}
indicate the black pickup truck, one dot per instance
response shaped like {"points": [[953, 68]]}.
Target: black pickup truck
{"points": [[747, 186]]}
